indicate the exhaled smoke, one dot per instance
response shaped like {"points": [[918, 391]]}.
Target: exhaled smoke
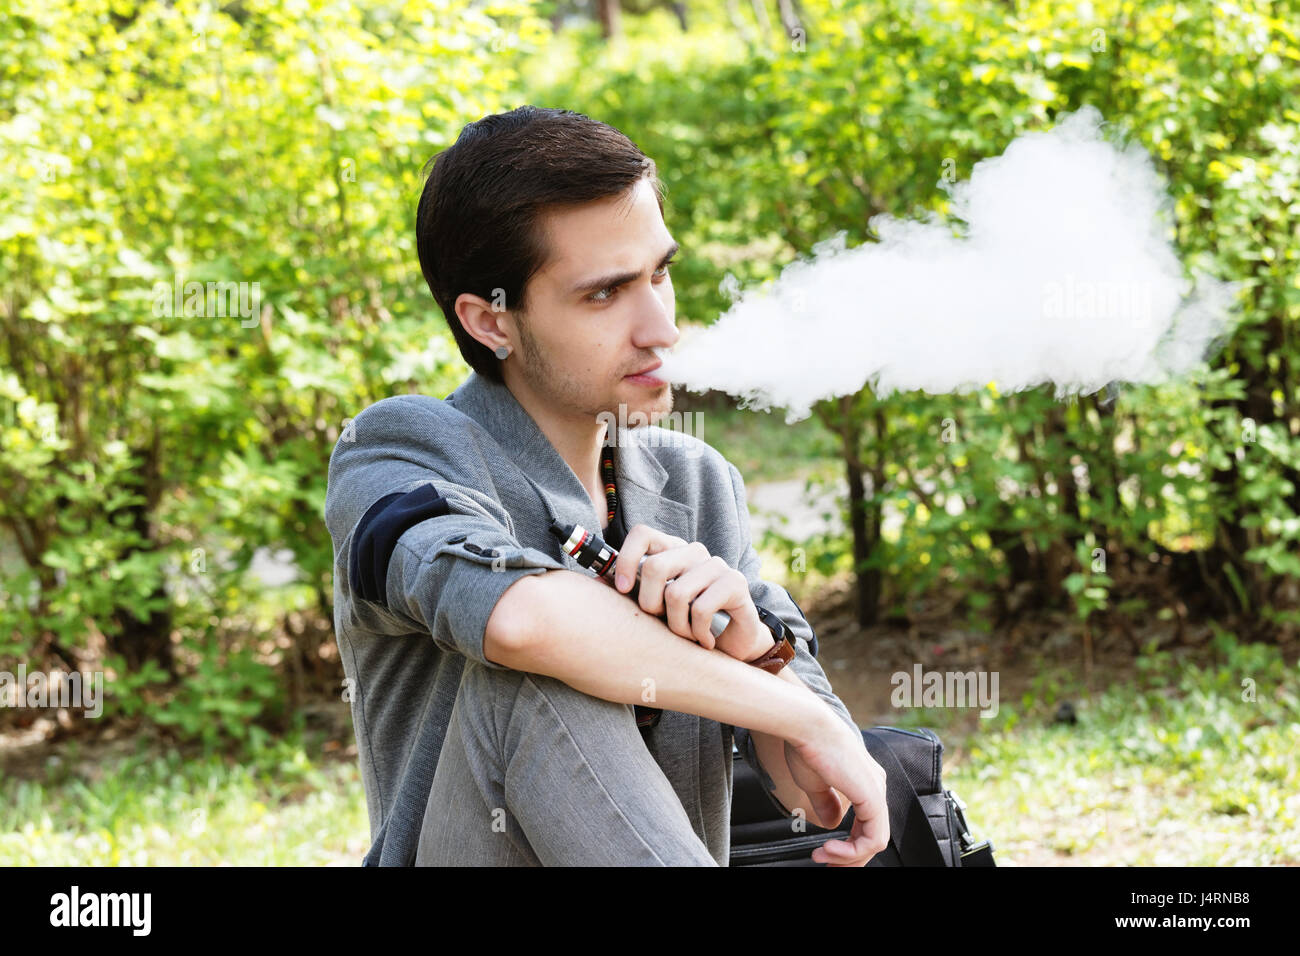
{"points": [[1060, 270]]}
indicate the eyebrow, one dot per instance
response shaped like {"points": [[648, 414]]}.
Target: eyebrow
{"points": [[619, 278]]}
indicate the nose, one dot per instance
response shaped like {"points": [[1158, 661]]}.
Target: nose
{"points": [[656, 325]]}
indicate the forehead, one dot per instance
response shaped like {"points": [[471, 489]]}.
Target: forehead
{"points": [[620, 232]]}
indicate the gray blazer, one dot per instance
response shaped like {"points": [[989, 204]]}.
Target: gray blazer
{"points": [[432, 520]]}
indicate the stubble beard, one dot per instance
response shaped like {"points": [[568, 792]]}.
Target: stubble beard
{"points": [[548, 380]]}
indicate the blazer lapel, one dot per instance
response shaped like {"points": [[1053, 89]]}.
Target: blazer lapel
{"points": [[640, 478]]}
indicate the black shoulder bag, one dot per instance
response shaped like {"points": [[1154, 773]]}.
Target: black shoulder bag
{"points": [[927, 824]]}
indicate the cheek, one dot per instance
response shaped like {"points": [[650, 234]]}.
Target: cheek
{"points": [[597, 356]]}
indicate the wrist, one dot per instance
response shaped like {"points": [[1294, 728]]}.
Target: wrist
{"points": [[781, 651], [814, 722], [764, 641]]}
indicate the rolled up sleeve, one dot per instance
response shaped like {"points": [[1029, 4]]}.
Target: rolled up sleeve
{"points": [[415, 551], [447, 575]]}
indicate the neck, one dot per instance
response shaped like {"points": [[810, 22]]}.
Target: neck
{"points": [[577, 438]]}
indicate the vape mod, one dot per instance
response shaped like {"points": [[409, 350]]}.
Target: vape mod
{"points": [[591, 551]]}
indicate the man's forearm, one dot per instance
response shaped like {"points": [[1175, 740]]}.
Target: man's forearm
{"points": [[771, 755], [579, 630]]}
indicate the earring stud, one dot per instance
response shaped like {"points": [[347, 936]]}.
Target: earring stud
{"points": [[502, 351]]}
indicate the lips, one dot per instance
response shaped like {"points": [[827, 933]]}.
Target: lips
{"points": [[646, 371]]}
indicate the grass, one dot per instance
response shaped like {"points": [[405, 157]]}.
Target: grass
{"points": [[1172, 768], [284, 803], [277, 808]]}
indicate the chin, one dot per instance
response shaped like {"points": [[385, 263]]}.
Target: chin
{"points": [[650, 402]]}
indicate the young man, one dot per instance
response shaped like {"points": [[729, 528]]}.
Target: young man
{"points": [[511, 708]]}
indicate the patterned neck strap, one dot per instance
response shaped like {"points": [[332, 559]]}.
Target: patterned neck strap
{"points": [[607, 471]]}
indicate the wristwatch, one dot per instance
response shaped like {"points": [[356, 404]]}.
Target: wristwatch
{"points": [[782, 651]]}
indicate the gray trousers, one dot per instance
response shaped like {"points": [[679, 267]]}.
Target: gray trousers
{"points": [[535, 773]]}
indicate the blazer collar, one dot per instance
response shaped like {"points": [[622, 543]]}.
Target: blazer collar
{"points": [[638, 474]]}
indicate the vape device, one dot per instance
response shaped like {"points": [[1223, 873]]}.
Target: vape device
{"points": [[592, 551]]}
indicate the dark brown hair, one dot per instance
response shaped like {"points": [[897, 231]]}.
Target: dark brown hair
{"points": [[477, 225]]}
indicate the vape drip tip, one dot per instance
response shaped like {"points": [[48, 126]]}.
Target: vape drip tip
{"points": [[588, 549]]}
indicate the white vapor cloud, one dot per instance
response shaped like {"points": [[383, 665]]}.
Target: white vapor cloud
{"points": [[1061, 270]]}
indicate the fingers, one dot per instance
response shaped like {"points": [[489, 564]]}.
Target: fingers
{"points": [[656, 571], [693, 596], [867, 838], [642, 540], [681, 582], [636, 545], [725, 588]]}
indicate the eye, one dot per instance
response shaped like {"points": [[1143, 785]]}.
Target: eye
{"points": [[662, 272]]}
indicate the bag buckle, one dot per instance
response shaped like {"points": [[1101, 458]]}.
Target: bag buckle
{"points": [[969, 846]]}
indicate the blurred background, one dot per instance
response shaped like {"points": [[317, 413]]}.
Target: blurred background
{"points": [[1128, 563]]}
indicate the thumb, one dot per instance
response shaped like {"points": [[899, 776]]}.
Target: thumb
{"points": [[827, 807]]}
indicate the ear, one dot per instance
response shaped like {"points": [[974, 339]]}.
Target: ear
{"points": [[488, 323]]}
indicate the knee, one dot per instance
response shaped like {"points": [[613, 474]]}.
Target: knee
{"points": [[573, 705], [518, 705], [513, 707], [481, 684]]}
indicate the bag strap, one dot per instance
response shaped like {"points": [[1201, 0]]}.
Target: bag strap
{"points": [[909, 827]]}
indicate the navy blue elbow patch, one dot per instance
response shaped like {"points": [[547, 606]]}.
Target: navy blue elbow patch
{"points": [[377, 534]]}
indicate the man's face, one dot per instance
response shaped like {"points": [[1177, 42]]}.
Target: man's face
{"points": [[599, 308]]}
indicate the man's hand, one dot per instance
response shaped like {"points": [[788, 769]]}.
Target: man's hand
{"points": [[837, 760], [703, 584], [834, 758]]}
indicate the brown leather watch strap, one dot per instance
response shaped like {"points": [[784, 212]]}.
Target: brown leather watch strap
{"points": [[782, 653]]}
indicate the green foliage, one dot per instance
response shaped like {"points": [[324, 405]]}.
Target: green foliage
{"points": [[127, 693], [223, 699], [154, 436], [1089, 586], [771, 148]]}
